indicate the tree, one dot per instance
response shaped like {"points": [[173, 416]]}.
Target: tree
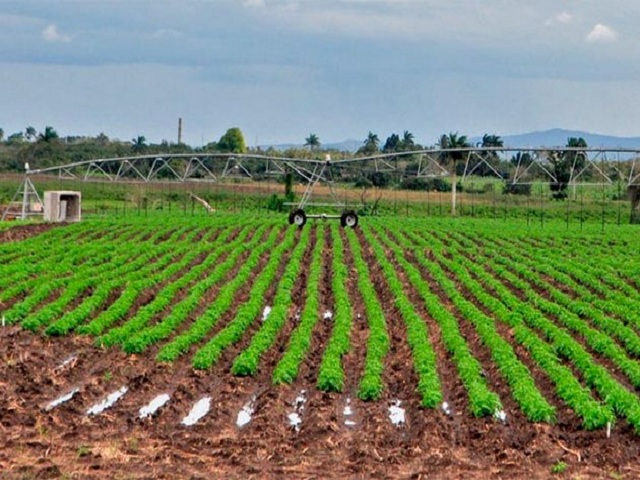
{"points": [[492, 141], [392, 144], [407, 142], [312, 141], [491, 160], [1, 134], [370, 145], [452, 157], [139, 144], [30, 133], [48, 135], [15, 138], [232, 141], [565, 164]]}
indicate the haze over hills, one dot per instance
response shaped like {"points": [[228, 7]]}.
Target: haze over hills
{"points": [[555, 137]]}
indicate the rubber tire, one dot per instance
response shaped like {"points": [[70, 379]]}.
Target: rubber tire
{"points": [[298, 217], [349, 219]]}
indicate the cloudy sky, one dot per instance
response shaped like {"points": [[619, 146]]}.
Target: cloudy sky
{"points": [[282, 69]]}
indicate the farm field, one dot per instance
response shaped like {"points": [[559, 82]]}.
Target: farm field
{"points": [[231, 345]]}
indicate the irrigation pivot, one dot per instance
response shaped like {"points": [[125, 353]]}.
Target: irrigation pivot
{"points": [[321, 173]]}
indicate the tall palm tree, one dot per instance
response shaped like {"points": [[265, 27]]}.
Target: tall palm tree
{"points": [[30, 133], [312, 141], [48, 135], [491, 158], [407, 140], [392, 144], [451, 142], [139, 144], [371, 143], [492, 141]]}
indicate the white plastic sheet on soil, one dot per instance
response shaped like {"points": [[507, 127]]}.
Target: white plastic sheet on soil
{"points": [[199, 410], [244, 415], [153, 406], [348, 412], [60, 400], [501, 415], [266, 312], [446, 409], [108, 402], [328, 315], [396, 413], [295, 417]]}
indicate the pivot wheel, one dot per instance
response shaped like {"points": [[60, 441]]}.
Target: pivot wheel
{"points": [[349, 219], [298, 218]]}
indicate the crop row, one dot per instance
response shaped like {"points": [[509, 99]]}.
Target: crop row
{"points": [[620, 400], [287, 368], [331, 373], [245, 316]]}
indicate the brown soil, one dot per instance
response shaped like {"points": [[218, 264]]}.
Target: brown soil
{"points": [[64, 441], [20, 232]]}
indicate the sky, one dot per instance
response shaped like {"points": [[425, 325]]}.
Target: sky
{"points": [[283, 69]]}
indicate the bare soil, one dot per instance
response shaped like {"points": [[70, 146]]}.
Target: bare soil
{"points": [[64, 441], [20, 232]]}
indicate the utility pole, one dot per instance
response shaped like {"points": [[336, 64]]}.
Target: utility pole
{"points": [[179, 131]]}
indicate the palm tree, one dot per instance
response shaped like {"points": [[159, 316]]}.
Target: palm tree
{"points": [[407, 140], [139, 144], [492, 141], [392, 144], [491, 158], [452, 142], [30, 133], [371, 143], [48, 135], [312, 141]]}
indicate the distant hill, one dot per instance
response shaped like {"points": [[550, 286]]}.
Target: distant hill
{"points": [[348, 145], [557, 137]]}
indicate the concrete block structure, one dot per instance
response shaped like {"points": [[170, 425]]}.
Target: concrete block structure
{"points": [[62, 206]]}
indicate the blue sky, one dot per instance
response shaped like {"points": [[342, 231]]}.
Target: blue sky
{"points": [[281, 69]]}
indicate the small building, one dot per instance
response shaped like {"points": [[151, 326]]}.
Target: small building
{"points": [[62, 206]]}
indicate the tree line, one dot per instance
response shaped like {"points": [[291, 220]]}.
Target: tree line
{"points": [[46, 148]]}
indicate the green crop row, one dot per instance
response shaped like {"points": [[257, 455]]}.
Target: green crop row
{"points": [[166, 295], [210, 353], [506, 307], [179, 313], [371, 385], [424, 357], [287, 368], [331, 373], [596, 340], [142, 257], [617, 398], [247, 362], [46, 287], [120, 309], [523, 388]]}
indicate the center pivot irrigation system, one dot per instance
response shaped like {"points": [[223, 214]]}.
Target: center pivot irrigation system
{"points": [[591, 166], [322, 172]]}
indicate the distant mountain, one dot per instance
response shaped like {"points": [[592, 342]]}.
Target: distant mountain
{"points": [[348, 145], [557, 137]]}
